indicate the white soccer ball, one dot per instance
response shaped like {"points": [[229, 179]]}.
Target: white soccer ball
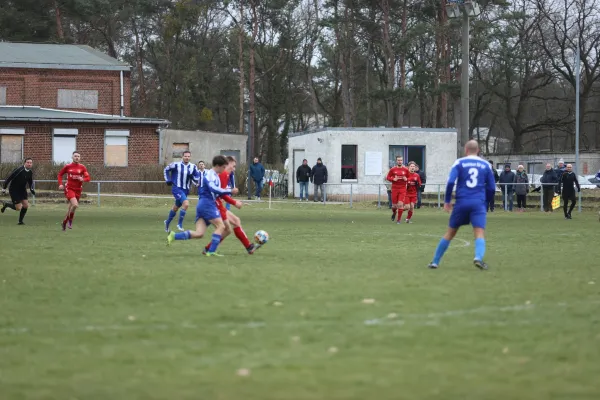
{"points": [[261, 237]]}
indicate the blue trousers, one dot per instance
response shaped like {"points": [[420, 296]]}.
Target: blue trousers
{"points": [[303, 190]]}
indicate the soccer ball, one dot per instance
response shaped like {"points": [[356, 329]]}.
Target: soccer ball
{"points": [[261, 237]]}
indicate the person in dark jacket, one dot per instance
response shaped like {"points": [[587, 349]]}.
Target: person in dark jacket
{"points": [[256, 172], [506, 180], [491, 206], [17, 182], [319, 178], [303, 174], [567, 184], [522, 189], [559, 170], [423, 177], [549, 180]]}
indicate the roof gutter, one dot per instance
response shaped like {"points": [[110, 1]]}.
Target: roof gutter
{"points": [[129, 121], [87, 67]]}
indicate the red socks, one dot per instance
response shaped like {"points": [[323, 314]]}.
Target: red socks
{"points": [[400, 214], [241, 235], [410, 213]]}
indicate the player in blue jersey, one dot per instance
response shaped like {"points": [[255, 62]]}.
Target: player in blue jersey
{"points": [[475, 185], [207, 212], [180, 175]]}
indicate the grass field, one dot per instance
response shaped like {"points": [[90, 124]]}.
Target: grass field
{"points": [[106, 311]]}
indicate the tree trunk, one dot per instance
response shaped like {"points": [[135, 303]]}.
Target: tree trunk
{"points": [[402, 78], [241, 65], [252, 116], [59, 28], [367, 90], [390, 62], [140, 66], [309, 57], [342, 51]]}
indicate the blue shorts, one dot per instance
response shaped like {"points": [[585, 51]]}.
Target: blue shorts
{"points": [[207, 210], [468, 213], [180, 195]]}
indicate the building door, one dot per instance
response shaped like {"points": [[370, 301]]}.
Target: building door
{"points": [[416, 154], [394, 152], [298, 157]]}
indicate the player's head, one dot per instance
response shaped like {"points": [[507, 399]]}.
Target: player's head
{"points": [[548, 167], [411, 166], [231, 163], [399, 161], [201, 165], [305, 162], [219, 163], [569, 167], [28, 163], [76, 157], [472, 148], [186, 157]]}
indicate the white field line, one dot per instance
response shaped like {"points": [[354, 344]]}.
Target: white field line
{"points": [[399, 319]]}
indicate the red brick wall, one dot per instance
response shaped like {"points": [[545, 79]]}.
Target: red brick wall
{"points": [[39, 87], [143, 149]]}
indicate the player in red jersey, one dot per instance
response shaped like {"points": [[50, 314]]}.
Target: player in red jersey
{"points": [[76, 174], [398, 175], [232, 221], [412, 185]]}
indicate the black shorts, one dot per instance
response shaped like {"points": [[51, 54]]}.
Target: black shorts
{"points": [[17, 196]]}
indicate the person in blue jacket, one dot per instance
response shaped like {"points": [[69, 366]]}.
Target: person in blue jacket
{"points": [[256, 172]]}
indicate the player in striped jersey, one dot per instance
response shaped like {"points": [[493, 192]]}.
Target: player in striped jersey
{"points": [[207, 212], [180, 175]]}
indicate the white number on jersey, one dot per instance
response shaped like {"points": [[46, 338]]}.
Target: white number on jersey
{"points": [[472, 182]]}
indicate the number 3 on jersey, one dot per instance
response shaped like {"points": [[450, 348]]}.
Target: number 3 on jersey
{"points": [[472, 182]]}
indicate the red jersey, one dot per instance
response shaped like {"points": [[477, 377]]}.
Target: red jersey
{"points": [[224, 177], [74, 170], [413, 184], [399, 172]]}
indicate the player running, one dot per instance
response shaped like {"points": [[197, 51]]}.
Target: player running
{"points": [[180, 175], [18, 180], [412, 186], [398, 175], [475, 185], [232, 221], [76, 174], [207, 212]]}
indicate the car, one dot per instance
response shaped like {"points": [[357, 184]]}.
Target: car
{"points": [[593, 179], [584, 183]]}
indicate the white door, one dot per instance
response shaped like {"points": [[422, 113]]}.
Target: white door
{"points": [[298, 157]]}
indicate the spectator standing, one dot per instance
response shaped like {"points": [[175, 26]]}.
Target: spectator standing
{"points": [[506, 180], [491, 206], [567, 184], [521, 188], [319, 178], [423, 177], [559, 170], [256, 172], [549, 181], [303, 174], [388, 188]]}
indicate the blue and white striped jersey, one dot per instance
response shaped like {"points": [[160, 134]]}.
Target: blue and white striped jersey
{"points": [[182, 175], [210, 187]]}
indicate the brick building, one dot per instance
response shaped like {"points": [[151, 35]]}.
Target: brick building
{"points": [[58, 98]]}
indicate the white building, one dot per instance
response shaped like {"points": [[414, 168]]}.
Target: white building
{"points": [[202, 144], [363, 156]]}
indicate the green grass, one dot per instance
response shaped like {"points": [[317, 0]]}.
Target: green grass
{"points": [[106, 311]]}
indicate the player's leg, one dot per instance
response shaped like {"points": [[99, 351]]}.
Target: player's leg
{"points": [[74, 207], [400, 207], [565, 205], [174, 209], [182, 211], [24, 207], [411, 209], [227, 232], [216, 236], [394, 201], [478, 219], [239, 233], [458, 218], [198, 233], [573, 202]]}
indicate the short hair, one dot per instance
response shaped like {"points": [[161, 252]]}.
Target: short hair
{"points": [[412, 163], [397, 157], [231, 159], [75, 152], [186, 152], [201, 161], [219, 161], [27, 159]]}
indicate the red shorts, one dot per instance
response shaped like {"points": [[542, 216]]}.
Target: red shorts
{"points": [[398, 196], [70, 193], [222, 210], [410, 198]]}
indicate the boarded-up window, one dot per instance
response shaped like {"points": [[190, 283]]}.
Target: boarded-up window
{"points": [[116, 148], [11, 145], [178, 149], [233, 153], [2, 95], [84, 99]]}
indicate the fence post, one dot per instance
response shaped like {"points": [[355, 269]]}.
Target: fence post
{"points": [[98, 183], [350, 195], [323, 193], [378, 196], [439, 196], [505, 197], [542, 198]]}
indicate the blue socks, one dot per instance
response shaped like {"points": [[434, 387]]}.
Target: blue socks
{"points": [[171, 216], [440, 250], [182, 235], [479, 249], [216, 239], [181, 216]]}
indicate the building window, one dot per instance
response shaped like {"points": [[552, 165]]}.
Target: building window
{"points": [[2, 95], [64, 143], [178, 149], [395, 151], [11, 145], [116, 148], [349, 161], [82, 99]]}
